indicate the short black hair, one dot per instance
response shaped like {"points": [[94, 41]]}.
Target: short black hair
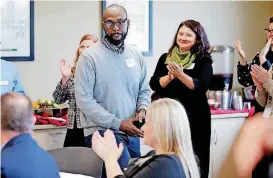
{"points": [[271, 20]]}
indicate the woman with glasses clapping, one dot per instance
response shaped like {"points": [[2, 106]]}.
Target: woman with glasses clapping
{"points": [[263, 58]]}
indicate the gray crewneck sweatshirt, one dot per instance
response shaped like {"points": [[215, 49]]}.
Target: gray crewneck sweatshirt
{"points": [[110, 87]]}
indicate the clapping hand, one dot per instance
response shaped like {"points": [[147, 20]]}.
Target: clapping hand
{"points": [[259, 74], [106, 147], [256, 83], [171, 77], [65, 69], [240, 49], [175, 70]]}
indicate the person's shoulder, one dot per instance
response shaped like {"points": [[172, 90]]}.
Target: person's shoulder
{"points": [[93, 50], [204, 58], [25, 146], [163, 56], [150, 153], [91, 53], [168, 163], [133, 50], [170, 158], [26, 160], [25, 153]]}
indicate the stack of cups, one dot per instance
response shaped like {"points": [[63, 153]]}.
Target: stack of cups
{"points": [[237, 101], [240, 103]]}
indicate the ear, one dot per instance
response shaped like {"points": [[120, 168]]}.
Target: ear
{"points": [[128, 21], [103, 25]]}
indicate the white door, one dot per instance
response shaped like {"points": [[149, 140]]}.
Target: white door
{"points": [[224, 132]]}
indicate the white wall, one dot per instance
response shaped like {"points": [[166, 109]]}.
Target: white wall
{"points": [[58, 29], [59, 26]]}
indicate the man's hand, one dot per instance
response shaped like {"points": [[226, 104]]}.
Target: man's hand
{"points": [[141, 115], [128, 127]]}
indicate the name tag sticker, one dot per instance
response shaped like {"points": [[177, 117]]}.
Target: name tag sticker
{"points": [[4, 82], [191, 66], [130, 62]]}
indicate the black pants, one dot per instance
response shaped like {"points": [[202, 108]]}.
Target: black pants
{"points": [[200, 134], [74, 137]]}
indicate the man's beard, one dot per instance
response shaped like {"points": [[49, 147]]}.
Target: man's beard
{"points": [[116, 42]]}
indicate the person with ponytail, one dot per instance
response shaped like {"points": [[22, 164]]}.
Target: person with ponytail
{"points": [[65, 91], [167, 131]]}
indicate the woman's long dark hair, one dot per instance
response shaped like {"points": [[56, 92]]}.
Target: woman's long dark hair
{"points": [[201, 46]]}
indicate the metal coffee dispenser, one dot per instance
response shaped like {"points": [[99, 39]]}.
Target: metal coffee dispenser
{"points": [[223, 58]]}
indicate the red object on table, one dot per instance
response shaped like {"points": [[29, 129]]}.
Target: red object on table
{"points": [[220, 111], [41, 120]]}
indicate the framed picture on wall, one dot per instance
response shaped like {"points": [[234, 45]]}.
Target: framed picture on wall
{"points": [[140, 31], [17, 30]]}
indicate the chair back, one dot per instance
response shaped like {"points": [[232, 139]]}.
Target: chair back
{"points": [[78, 160]]}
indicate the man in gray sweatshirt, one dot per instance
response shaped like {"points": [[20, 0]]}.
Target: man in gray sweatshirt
{"points": [[111, 85]]}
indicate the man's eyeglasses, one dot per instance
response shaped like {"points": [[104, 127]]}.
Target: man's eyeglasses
{"points": [[111, 24], [267, 31]]}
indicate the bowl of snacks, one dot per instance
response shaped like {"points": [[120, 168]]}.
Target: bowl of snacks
{"points": [[49, 108]]}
